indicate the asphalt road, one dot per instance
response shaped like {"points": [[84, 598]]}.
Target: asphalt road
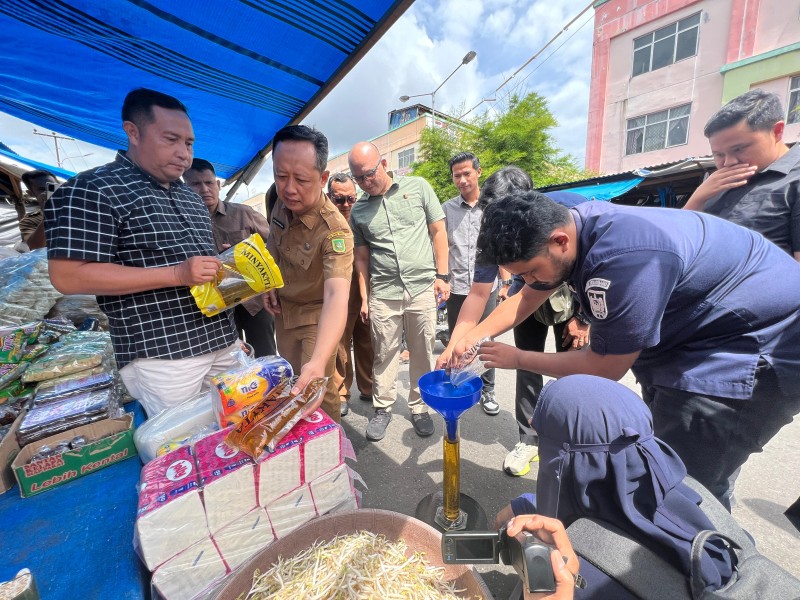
{"points": [[402, 469]]}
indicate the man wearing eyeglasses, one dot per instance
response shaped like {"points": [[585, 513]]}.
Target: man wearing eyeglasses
{"points": [[401, 252], [342, 192]]}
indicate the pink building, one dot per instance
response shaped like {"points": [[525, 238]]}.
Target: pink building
{"points": [[661, 68]]}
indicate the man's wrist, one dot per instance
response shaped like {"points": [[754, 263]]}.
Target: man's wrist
{"points": [[506, 282], [443, 277], [580, 318]]}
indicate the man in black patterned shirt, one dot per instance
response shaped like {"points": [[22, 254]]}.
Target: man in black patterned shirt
{"points": [[135, 236]]}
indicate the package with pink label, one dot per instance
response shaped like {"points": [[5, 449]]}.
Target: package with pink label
{"points": [[228, 480], [321, 441], [170, 517]]}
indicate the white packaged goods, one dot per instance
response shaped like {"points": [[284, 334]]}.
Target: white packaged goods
{"points": [[191, 572], [321, 442], [290, 511], [334, 491], [228, 480], [244, 537], [170, 516], [279, 472]]}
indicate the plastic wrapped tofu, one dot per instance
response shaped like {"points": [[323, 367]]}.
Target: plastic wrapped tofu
{"points": [[170, 517], [228, 479], [289, 512], [247, 385], [191, 573], [321, 439], [248, 270], [280, 471], [243, 538], [70, 355]]}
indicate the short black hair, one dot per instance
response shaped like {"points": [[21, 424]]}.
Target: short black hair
{"points": [[463, 157], [506, 181], [138, 106], [759, 109], [29, 176], [518, 227], [340, 178], [201, 164], [302, 133]]}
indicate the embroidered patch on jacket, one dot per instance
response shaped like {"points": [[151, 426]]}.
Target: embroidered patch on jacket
{"points": [[597, 302], [336, 234], [338, 246]]}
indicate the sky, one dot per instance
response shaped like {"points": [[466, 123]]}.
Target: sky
{"points": [[420, 50]]}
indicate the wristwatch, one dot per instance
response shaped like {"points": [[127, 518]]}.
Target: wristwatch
{"points": [[506, 281], [445, 278]]}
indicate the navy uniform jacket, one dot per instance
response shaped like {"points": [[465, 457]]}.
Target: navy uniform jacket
{"points": [[701, 299]]}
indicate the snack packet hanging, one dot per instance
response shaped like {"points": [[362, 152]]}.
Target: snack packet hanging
{"points": [[468, 366], [272, 418], [248, 270]]}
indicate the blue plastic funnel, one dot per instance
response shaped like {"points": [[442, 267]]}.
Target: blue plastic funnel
{"points": [[448, 400]]}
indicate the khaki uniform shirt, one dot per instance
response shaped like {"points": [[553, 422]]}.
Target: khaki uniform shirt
{"points": [[395, 229], [309, 249], [231, 223]]}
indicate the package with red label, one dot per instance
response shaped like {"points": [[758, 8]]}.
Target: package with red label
{"points": [[321, 439], [227, 477], [240, 389], [280, 471], [170, 517]]}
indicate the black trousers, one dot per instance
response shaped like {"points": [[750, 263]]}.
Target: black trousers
{"points": [[258, 330], [454, 304], [714, 436], [531, 335]]}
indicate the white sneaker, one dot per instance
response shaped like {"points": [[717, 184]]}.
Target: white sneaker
{"points": [[518, 461]]}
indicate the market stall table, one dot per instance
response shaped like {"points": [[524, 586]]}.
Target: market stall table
{"points": [[77, 538]]}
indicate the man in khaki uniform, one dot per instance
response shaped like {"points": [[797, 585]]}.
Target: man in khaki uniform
{"points": [[313, 246]]}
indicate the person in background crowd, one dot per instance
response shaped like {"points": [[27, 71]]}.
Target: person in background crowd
{"points": [[40, 184], [313, 247], [342, 192], [401, 252], [131, 233], [463, 222], [757, 181], [703, 311], [570, 330], [231, 223]]}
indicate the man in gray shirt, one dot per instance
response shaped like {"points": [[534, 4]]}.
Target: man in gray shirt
{"points": [[757, 181], [463, 222]]}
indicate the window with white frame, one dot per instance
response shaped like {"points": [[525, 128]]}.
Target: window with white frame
{"points": [[658, 130], [665, 46], [794, 100], [405, 158]]}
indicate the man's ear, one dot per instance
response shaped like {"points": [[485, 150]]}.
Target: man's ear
{"points": [[560, 238], [324, 179], [778, 129], [132, 131]]}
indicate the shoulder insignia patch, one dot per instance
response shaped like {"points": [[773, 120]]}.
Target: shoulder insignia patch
{"points": [[338, 245], [597, 282], [336, 234]]}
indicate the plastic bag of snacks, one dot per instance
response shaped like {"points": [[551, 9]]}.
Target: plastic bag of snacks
{"points": [[273, 417], [248, 270], [238, 390]]}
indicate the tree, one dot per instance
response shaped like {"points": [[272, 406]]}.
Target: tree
{"points": [[518, 136]]}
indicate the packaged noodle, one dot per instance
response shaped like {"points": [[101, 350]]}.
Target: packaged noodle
{"points": [[248, 270], [238, 390], [272, 418]]}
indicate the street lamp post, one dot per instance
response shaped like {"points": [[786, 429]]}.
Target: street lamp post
{"points": [[467, 59]]}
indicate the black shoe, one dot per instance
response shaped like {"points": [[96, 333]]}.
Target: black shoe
{"points": [[423, 424], [376, 428], [344, 409], [365, 398]]}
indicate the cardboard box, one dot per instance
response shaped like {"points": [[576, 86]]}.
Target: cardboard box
{"points": [[113, 442], [9, 448]]}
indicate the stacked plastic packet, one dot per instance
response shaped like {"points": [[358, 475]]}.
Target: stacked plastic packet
{"points": [[26, 293]]}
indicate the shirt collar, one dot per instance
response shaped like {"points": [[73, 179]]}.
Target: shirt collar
{"points": [[311, 217], [124, 160], [787, 162], [221, 207]]}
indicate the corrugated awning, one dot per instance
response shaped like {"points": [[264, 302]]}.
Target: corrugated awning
{"points": [[243, 68]]}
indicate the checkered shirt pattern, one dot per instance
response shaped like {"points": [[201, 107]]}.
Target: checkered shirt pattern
{"points": [[119, 214]]}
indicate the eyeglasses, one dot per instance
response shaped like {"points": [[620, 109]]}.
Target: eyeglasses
{"points": [[344, 199], [369, 174]]}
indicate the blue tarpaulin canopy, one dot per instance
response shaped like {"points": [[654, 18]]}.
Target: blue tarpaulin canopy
{"points": [[604, 191], [8, 154], [243, 68]]}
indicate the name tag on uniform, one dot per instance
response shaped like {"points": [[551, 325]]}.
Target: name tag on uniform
{"points": [[278, 223]]}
